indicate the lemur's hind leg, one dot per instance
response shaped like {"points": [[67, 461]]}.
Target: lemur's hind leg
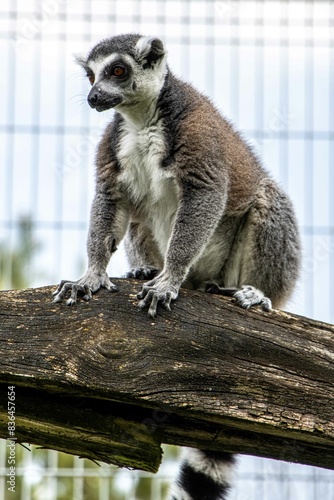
{"points": [[263, 264], [142, 252], [246, 297]]}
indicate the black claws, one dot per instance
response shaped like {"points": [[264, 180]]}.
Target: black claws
{"points": [[60, 286], [151, 298], [83, 291], [75, 288], [142, 273]]}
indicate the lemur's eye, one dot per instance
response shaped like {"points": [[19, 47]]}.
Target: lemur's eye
{"points": [[91, 78], [118, 71]]}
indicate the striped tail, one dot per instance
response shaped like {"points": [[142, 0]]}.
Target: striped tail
{"points": [[204, 475]]}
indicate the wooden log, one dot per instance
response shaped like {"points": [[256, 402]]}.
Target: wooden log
{"points": [[104, 381]]}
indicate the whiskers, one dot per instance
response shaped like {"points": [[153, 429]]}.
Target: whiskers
{"points": [[80, 100]]}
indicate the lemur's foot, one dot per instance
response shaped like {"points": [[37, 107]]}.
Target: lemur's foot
{"points": [[250, 296], [246, 297], [142, 273], [158, 290], [83, 288]]}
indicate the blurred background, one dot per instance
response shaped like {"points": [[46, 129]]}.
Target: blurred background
{"points": [[268, 66]]}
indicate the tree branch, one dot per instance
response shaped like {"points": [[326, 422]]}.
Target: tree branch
{"points": [[102, 380]]}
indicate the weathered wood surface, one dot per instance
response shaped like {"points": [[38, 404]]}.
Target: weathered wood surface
{"points": [[104, 381]]}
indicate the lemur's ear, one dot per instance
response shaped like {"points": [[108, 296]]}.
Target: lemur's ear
{"points": [[81, 60], [150, 50]]}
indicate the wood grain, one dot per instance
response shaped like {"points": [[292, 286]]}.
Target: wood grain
{"points": [[105, 381]]}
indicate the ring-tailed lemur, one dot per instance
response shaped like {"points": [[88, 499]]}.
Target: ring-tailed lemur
{"points": [[194, 204]]}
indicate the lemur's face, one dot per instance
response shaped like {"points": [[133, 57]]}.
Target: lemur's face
{"points": [[124, 71]]}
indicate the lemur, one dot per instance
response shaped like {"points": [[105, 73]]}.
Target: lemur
{"points": [[192, 201]]}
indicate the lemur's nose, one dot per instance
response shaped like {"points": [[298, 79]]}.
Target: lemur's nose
{"points": [[93, 97]]}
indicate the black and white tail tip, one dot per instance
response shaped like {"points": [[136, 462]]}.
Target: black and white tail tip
{"points": [[204, 475]]}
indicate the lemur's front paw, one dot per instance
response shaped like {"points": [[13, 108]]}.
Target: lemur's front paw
{"points": [[142, 273], [250, 296], [158, 290], [84, 287]]}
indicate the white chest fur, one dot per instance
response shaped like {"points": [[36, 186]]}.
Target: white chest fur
{"points": [[151, 190]]}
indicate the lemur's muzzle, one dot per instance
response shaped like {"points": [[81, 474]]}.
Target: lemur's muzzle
{"points": [[101, 101]]}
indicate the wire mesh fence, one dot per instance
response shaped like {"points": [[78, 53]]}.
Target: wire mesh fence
{"points": [[269, 67], [48, 475]]}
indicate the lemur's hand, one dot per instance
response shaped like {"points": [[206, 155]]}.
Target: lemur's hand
{"points": [[160, 289], [85, 286]]}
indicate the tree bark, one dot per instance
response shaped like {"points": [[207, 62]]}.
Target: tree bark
{"points": [[104, 381]]}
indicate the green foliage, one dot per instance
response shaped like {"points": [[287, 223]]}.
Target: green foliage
{"points": [[15, 263]]}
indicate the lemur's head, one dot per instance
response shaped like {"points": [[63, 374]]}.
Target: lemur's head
{"points": [[124, 70]]}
